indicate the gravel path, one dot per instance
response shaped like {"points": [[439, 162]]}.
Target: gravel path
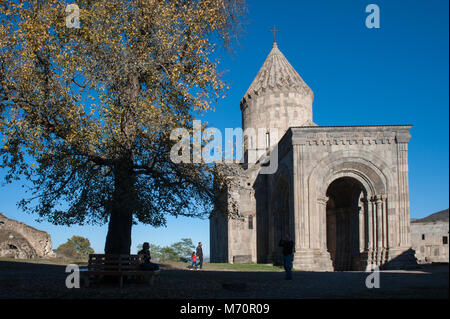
{"points": [[26, 280]]}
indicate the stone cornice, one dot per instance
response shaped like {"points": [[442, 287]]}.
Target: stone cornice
{"points": [[349, 135]]}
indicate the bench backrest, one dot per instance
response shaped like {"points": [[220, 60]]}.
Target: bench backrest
{"points": [[114, 262]]}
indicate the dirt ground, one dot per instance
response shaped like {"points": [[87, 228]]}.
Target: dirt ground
{"points": [[28, 280]]}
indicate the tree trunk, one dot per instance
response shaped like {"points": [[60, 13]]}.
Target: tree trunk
{"points": [[118, 239]]}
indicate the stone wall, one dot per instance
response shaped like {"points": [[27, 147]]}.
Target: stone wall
{"points": [[430, 241], [18, 240], [233, 237]]}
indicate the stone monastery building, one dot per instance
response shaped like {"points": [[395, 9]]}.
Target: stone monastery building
{"points": [[339, 192]]}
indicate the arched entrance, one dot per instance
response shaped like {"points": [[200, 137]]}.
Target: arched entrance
{"points": [[346, 196], [14, 245]]}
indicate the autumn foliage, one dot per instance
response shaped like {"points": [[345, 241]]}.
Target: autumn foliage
{"points": [[86, 113]]}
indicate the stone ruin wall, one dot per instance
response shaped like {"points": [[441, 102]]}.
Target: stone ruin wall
{"points": [[18, 240]]}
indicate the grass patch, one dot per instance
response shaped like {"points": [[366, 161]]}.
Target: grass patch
{"points": [[227, 267], [241, 267]]}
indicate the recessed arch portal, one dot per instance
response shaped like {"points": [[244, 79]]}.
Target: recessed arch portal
{"points": [[375, 178], [346, 198]]}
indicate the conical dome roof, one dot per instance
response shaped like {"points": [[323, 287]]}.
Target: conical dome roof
{"points": [[277, 74]]}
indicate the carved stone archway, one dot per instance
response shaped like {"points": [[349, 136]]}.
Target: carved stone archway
{"points": [[346, 222], [373, 215], [311, 222]]}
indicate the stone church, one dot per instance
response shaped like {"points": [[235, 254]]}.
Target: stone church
{"points": [[339, 192]]}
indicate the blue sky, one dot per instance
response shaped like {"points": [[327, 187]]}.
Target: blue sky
{"points": [[397, 74]]}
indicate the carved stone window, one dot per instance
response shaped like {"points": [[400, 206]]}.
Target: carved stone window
{"points": [[445, 240], [423, 236], [250, 222]]}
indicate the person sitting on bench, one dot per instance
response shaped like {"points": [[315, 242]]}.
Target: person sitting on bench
{"points": [[147, 264]]}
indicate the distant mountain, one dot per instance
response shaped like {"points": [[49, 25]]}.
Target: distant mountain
{"points": [[441, 216]]}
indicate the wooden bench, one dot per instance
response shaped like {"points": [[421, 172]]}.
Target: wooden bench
{"points": [[108, 265]]}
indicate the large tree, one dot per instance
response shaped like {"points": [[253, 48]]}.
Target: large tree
{"points": [[86, 112], [184, 248], [77, 246]]}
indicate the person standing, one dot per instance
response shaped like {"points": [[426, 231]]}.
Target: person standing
{"points": [[288, 255], [199, 254]]}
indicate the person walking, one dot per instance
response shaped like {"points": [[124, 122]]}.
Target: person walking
{"points": [[194, 261], [288, 255], [199, 254]]}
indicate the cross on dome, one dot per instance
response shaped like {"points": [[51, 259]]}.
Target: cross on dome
{"points": [[274, 31]]}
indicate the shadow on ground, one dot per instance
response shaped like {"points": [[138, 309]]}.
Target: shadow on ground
{"points": [[27, 280]]}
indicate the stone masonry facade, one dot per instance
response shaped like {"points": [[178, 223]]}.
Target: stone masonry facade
{"points": [[429, 239]]}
